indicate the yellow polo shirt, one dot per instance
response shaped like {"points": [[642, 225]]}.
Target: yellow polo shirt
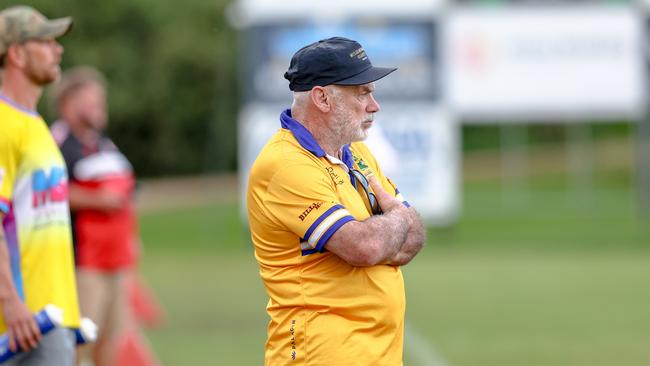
{"points": [[323, 310]]}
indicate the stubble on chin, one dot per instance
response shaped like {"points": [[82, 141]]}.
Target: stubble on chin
{"points": [[364, 134], [47, 78]]}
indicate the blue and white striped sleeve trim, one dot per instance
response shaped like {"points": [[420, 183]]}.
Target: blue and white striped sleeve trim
{"points": [[323, 228], [401, 198]]}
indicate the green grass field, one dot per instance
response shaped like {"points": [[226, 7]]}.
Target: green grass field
{"points": [[548, 277]]}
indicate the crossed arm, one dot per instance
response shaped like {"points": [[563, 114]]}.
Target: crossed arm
{"points": [[393, 238], [414, 242], [21, 326], [101, 200]]}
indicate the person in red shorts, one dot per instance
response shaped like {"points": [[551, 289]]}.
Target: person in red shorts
{"points": [[102, 187]]}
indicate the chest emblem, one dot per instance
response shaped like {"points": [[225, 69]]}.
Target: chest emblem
{"points": [[362, 164]]}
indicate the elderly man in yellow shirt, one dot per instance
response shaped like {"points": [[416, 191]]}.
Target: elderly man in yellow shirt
{"points": [[330, 230]]}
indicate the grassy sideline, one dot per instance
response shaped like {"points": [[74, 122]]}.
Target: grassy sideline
{"points": [[547, 279]]}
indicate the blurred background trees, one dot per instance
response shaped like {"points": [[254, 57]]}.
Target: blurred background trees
{"points": [[172, 68], [172, 79]]}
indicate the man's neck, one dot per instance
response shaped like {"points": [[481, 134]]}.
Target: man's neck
{"points": [[327, 143], [325, 137], [21, 90]]}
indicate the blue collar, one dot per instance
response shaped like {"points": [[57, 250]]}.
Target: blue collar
{"points": [[347, 156], [21, 108], [301, 134], [307, 141]]}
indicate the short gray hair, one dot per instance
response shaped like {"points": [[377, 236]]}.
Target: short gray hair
{"points": [[300, 98], [71, 81]]}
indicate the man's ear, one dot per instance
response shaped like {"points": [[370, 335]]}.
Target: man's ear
{"points": [[321, 99], [16, 55]]}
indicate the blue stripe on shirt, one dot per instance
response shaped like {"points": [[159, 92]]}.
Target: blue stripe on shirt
{"points": [[320, 219], [331, 230]]}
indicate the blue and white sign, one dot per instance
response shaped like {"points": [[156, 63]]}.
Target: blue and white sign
{"points": [[415, 141]]}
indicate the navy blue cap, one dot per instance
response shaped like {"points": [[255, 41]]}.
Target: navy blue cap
{"points": [[335, 60]]}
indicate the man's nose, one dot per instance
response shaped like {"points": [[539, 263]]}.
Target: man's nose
{"points": [[58, 47], [373, 106]]}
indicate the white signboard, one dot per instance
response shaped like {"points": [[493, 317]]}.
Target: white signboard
{"points": [[245, 13], [424, 144], [544, 63]]}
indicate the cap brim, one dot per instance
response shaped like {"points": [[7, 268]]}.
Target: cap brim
{"points": [[56, 28], [367, 76]]}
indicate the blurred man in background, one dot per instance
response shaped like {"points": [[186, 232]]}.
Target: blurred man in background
{"points": [[36, 259], [102, 189], [330, 230]]}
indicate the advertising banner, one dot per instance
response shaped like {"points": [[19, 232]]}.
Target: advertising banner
{"points": [[547, 64]]}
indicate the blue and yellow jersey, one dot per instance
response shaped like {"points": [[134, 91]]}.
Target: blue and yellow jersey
{"points": [[34, 202], [323, 310]]}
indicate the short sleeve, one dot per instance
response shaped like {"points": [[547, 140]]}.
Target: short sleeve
{"points": [[8, 168], [304, 200]]}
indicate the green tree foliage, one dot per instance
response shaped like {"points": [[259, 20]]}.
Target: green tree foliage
{"points": [[172, 80]]}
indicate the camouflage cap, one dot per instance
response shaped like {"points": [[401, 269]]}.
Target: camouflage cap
{"points": [[22, 23]]}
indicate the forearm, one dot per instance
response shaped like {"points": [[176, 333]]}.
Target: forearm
{"points": [[414, 242], [87, 199], [390, 232], [7, 288], [373, 240], [22, 330], [81, 198]]}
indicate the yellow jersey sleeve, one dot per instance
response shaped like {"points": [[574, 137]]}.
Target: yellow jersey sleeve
{"points": [[8, 167], [302, 198]]}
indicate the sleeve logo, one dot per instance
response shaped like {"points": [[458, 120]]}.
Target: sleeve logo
{"points": [[313, 206]]}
